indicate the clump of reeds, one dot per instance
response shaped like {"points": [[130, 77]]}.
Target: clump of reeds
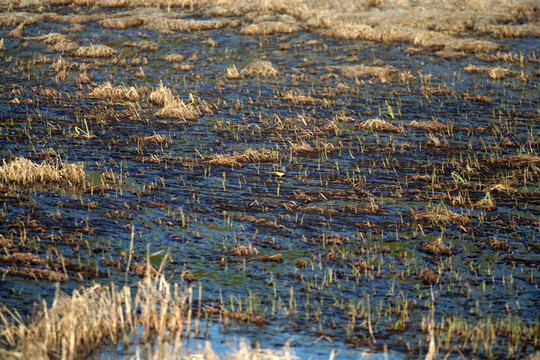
{"points": [[367, 71], [172, 106], [175, 58], [123, 23], [58, 42], [433, 126], [440, 216], [115, 93], [95, 51], [259, 68], [270, 27], [25, 172], [437, 248], [196, 25], [379, 125], [232, 72], [496, 73], [236, 160]]}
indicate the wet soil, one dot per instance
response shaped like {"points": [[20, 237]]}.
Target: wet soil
{"points": [[282, 193]]}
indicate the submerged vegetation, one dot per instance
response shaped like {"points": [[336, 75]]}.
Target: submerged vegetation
{"points": [[347, 178]]}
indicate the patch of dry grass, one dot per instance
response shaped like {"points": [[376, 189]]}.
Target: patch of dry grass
{"points": [[433, 126], [366, 71], [379, 125], [440, 216], [24, 172], [259, 68], [95, 51], [232, 73], [107, 91], [196, 25], [496, 72], [236, 160], [269, 28]]}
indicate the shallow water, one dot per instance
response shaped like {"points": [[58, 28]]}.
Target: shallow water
{"points": [[347, 206]]}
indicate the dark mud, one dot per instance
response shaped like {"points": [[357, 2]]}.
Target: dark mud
{"points": [[358, 194]]}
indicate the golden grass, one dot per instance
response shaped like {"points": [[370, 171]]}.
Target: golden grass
{"points": [[366, 71], [440, 216], [195, 25], [95, 51], [496, 72], [173, 107], [175, 58], [232, 73], [269, 28], [123, 23], [433, 126], [259, 68], [107, 91], [23, 172], [437, 248], [236, 160], [58, 42], [299, 98], [379, 125]]}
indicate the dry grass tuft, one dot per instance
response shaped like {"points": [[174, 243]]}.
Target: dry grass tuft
{"points": [[429, 276], [440, 216], [96, 51], [58, 42], [432, 126], [517, 160], [5, 242], [379, 125], [196, 25], [24, 172], [123, 22], [175, 58], [269, 28], [437, 248], [173, 107], [366, 71], [496, 73], [259, 68], [243, 251], [144, 45], [248, 156], [107, 91], [232, 73], [299, 98]]}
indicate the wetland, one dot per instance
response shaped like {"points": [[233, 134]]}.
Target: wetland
{"points": [[331, 180]]}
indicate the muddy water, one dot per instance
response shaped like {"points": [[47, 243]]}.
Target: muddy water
{"points": [[370, 232]]}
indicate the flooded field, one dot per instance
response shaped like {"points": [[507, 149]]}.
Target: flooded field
{"points": [[355, 179]]}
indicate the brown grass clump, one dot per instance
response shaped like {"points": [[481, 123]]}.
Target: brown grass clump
{"points": [[243, 251], [58, 42], [496, 73], [37, 274], [173, 107], [144, 45], [433, 126], [175, 58], [270, 27], [232, 73], [440, 216], [429, 276], [518, 160], [24, 172], [379, 125], [156, 138], [5, 242], [437, 248], [107, 91], [300, 98], [366, 71], [196, 25], [96, 51], [123, 22], [236, 159], [259, 68]]}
